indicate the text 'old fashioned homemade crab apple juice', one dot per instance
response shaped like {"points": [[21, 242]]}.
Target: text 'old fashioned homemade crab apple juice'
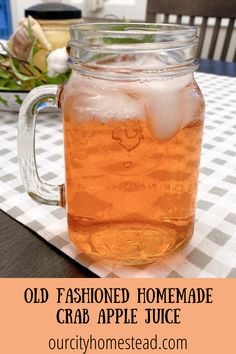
{"points": [[133, 123]]}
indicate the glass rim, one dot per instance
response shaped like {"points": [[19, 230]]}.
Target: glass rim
{"points": [[133, 28], [93, 40]]}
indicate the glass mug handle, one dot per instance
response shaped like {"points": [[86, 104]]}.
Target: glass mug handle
{"points": [[37, 99]]}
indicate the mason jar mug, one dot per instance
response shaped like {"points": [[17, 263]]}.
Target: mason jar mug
{"points": [[133, 122]]}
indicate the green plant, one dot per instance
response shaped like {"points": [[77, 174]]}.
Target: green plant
{"points": [[22, 75]]}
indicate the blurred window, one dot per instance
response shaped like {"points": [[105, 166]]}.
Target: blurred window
{"points": [[5, 19]]}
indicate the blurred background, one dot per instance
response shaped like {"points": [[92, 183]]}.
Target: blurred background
{"points": [[12, 11]]}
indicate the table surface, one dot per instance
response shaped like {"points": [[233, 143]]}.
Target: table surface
{"points": [[25, 254]]}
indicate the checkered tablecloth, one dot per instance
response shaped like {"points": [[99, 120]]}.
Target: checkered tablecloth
{"points": [[212, 250]]}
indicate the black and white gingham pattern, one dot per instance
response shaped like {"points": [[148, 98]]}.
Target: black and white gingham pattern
{"points": [[212, 250]]}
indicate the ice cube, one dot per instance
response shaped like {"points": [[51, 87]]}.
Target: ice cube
{"points": [[162, 85], [103, 99], [170, 103], [164, 115], [116, 106]]}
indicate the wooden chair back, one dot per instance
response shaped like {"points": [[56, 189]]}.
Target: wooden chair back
{"points": [[204, 8]]}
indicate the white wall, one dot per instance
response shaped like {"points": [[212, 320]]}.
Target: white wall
{"points": [[123, 9], [17, 10], [129, 9]]}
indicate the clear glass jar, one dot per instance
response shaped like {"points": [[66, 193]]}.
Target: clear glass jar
{"points": [[133, 122]]}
